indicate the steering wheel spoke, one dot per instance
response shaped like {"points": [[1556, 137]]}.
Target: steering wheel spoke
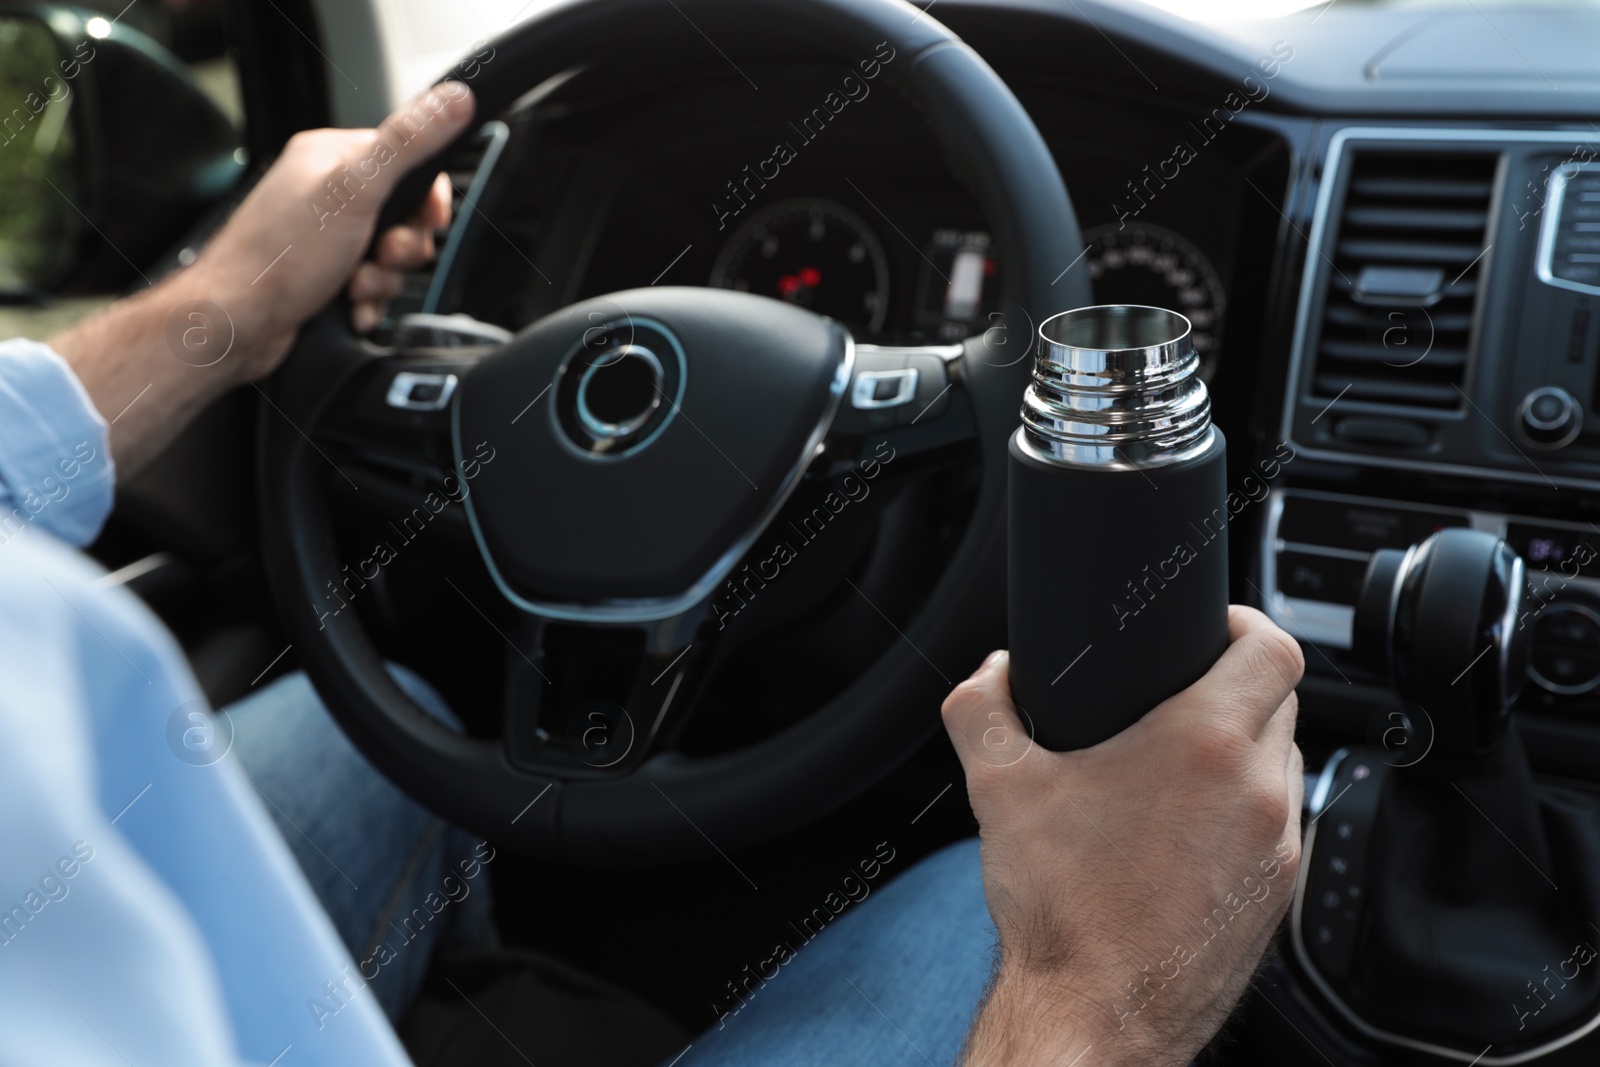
{"points": [[391, 420], [586, 702]]}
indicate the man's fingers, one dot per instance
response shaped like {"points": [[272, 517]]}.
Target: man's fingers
{"points": [[372, 283], [1278, 734], [1240, 619], [364, 317], [1259, 670], [419, 129], [434, 214], [411, 245], [370, 290], [404, 248], [1297, 789], [1282, 755], [982, 721]]}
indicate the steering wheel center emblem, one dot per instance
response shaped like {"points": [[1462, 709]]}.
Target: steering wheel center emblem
{"points": [[618, 388]]}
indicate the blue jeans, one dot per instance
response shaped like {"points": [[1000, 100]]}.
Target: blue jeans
{"points": [[894, 980], [397, 881]]}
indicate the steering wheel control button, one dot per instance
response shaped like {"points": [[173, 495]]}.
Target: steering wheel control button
{"points": [[884, 388], [863, 412], [413, 391], [618, 388], [896, 386], [1566, 650], [1549, 417]]}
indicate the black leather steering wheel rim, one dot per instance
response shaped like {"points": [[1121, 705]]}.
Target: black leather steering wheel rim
{"points": [[761, 791]]}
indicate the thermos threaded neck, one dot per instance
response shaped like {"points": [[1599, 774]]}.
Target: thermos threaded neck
{"points": [[1115, 386]]}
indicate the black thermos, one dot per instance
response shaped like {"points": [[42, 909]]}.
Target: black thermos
{"points": [[1117, 525]]}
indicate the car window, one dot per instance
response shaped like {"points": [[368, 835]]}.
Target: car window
{"points": [[197, 33]]}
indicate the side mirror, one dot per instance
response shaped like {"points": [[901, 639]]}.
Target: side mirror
{"points": [[109, 152]]}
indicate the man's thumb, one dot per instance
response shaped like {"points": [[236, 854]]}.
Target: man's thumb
{"points": [[982, 721]]}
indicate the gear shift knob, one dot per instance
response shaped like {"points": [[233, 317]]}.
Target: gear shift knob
{"points": [[1440, 891], [1440, 620]]}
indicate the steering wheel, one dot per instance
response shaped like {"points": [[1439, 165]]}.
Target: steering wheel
{"points": [[622, 461]]}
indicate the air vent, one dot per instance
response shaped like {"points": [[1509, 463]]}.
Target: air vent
{"points": [[1404, 258]]}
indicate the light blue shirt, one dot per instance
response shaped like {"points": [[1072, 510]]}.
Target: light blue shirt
{"points": [[149, 912]]}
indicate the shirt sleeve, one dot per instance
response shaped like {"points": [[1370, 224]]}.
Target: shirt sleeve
{"points": [[150, 913], [56, 472]]}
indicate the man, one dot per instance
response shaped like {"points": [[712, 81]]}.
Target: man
{"points": [[150, 911]]}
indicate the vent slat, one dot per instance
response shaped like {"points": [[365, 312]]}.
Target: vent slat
{"points": [[1383, 250], [1350, 317], [1465, 289], [1438, 357], [1388, 391], [1413, 218], [1404, 208], [1422, 188]]}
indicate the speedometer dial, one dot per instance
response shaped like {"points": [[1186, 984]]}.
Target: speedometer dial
{"points": [[1140, 263], [813, 253]]}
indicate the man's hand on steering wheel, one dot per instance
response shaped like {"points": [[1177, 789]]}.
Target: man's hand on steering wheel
{"points": [[1135, 884], [300, 235], [323, 196]]}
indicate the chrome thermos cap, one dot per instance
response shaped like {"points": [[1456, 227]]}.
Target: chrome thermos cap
{"points": [[1115, 386]]}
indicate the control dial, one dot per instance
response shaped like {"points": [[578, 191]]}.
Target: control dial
{"points": [[1566, 649], [1550, 417]]}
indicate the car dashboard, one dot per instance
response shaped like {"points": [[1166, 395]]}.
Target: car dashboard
{"points": [[1389, 267], [854, 213]]}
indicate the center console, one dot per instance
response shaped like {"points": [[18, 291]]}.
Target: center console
{"points": [[1443, 385], [1443, 374]]}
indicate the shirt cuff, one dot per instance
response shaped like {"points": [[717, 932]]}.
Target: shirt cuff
{"points": [[56, 471]]}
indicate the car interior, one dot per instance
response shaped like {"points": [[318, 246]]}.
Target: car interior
{"points": [[1381, 219]]}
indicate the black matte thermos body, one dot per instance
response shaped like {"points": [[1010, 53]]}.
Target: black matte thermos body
{"points": [[1118, 525]]}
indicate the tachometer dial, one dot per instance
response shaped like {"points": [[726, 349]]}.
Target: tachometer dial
{"points": [[813, 253], [1140, 263]]}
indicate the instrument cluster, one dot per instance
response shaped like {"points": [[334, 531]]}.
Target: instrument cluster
{"points": [[821, 255]]}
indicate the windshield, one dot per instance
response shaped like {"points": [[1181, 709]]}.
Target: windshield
{"points": [[1239, 10]]}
